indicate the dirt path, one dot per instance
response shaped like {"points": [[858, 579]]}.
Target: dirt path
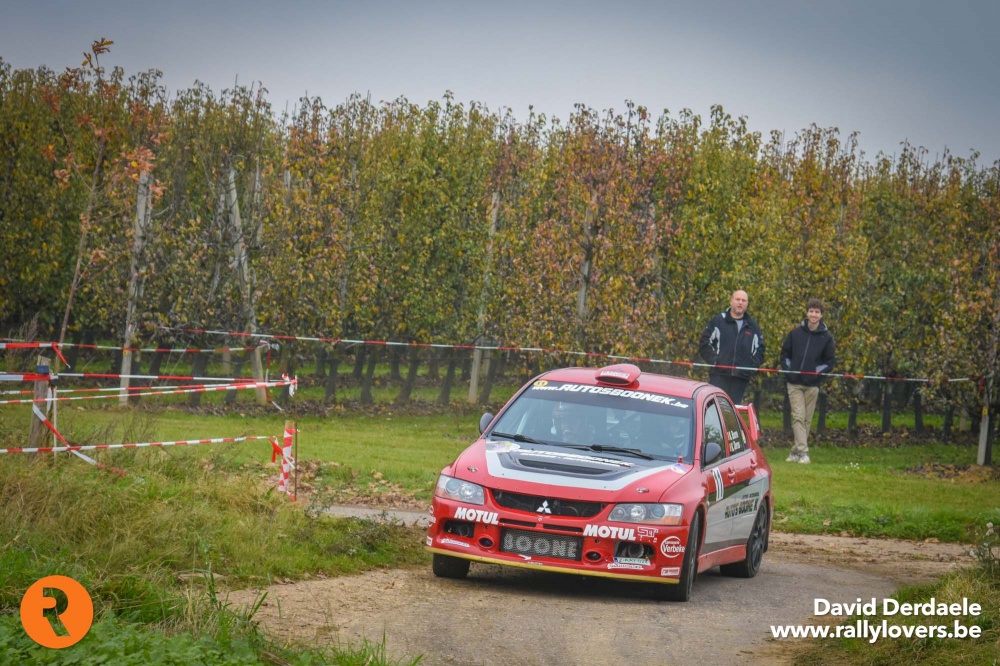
{"points": [[504, 616]]}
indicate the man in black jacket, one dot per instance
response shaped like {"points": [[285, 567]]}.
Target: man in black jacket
{"points": [[808, 350], [734, 344]]}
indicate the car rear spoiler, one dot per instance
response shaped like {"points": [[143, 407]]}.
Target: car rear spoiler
{"points": [[749, 416]]}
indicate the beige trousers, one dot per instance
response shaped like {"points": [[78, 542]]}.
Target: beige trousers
{"points": [[803, 402]]}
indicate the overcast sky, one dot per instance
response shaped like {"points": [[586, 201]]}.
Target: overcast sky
{"points": [[926, 72]]}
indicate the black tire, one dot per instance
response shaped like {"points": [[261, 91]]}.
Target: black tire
{"points": [[689, 568], [445, 566], [756, 546]]}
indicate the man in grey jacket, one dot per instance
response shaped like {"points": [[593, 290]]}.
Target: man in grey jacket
{"points": [[807, 352]]}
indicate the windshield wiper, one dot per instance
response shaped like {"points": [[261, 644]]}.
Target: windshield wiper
{"points": [[516, 438], [618, 449], [607, 448]]}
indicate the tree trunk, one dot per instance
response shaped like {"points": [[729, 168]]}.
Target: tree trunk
{"points": [[359, 363], [135, 368], [887, 408], [198, 370], [74, 352], [330, 395], [366, 385], [918, 412], [444, 396], [394, 355], [411, 377], [81, 246], [321, 357], [496, 370], [852, 419], [949, 421], [237, 372], [433, 366]]}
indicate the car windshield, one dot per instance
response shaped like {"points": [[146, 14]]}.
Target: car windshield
{"points": [[595, 416]]}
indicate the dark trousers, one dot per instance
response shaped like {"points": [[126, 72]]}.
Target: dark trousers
{"points": [[734, 386]]}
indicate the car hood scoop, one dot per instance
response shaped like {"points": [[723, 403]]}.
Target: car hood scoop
{"points": [[562, 467]]}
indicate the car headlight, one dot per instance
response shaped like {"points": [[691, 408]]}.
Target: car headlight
{"points": [[462, 491], [649, 514]]}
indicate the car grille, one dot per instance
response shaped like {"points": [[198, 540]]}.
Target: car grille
{"points": [[538, 544], [546, 505]]}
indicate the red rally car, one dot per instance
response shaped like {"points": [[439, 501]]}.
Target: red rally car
{"points": [[609, 472]]}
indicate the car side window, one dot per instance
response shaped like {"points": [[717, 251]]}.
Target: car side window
{"points": [[734, 428], [713, 429]]}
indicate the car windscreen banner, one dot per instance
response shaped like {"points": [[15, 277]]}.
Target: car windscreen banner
{"points": [[606, 396]]}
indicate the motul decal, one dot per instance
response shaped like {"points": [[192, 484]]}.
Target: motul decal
{"points": [[477, 516], [670, 572], [608, 532], [671, 547]]}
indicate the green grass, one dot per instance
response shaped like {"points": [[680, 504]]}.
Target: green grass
{"points": [[869, 491], [862, 490]]}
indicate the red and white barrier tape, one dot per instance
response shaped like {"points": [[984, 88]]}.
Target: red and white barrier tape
{"points": [[23, 377], [101, 447], [565, 352], [145, 391], [184, 378], [287, 462]]}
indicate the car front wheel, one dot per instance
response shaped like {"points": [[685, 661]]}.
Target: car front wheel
{"points": [[689, 568]]}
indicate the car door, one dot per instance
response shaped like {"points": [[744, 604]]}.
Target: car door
{"points": [[744, 489], [718, 525]]}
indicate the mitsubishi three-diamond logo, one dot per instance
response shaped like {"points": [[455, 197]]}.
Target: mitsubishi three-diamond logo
{"points": [[544, 508]]}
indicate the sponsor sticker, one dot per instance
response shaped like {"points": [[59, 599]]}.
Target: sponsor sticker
{"points": [[477, 515], [609, 532], [453, 542], [647, 532], [748, 505], [671, 547], [632, 560], [617, 392], [670, 572], [618, 565], [501, 446]]}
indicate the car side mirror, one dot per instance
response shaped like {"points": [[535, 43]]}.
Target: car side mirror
{"points": [[712, 453], [484, 421]]}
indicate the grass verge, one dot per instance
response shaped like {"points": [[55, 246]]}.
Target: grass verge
{"points": [[151, 546], [980, 585]]}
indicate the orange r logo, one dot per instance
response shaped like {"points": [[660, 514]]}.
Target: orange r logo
{"points": [[71, 613]]}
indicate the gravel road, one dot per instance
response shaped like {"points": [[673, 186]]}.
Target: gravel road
{"points": [[501, 615]]}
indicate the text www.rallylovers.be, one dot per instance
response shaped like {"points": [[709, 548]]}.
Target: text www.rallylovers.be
{"points": [[875, 630]]}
